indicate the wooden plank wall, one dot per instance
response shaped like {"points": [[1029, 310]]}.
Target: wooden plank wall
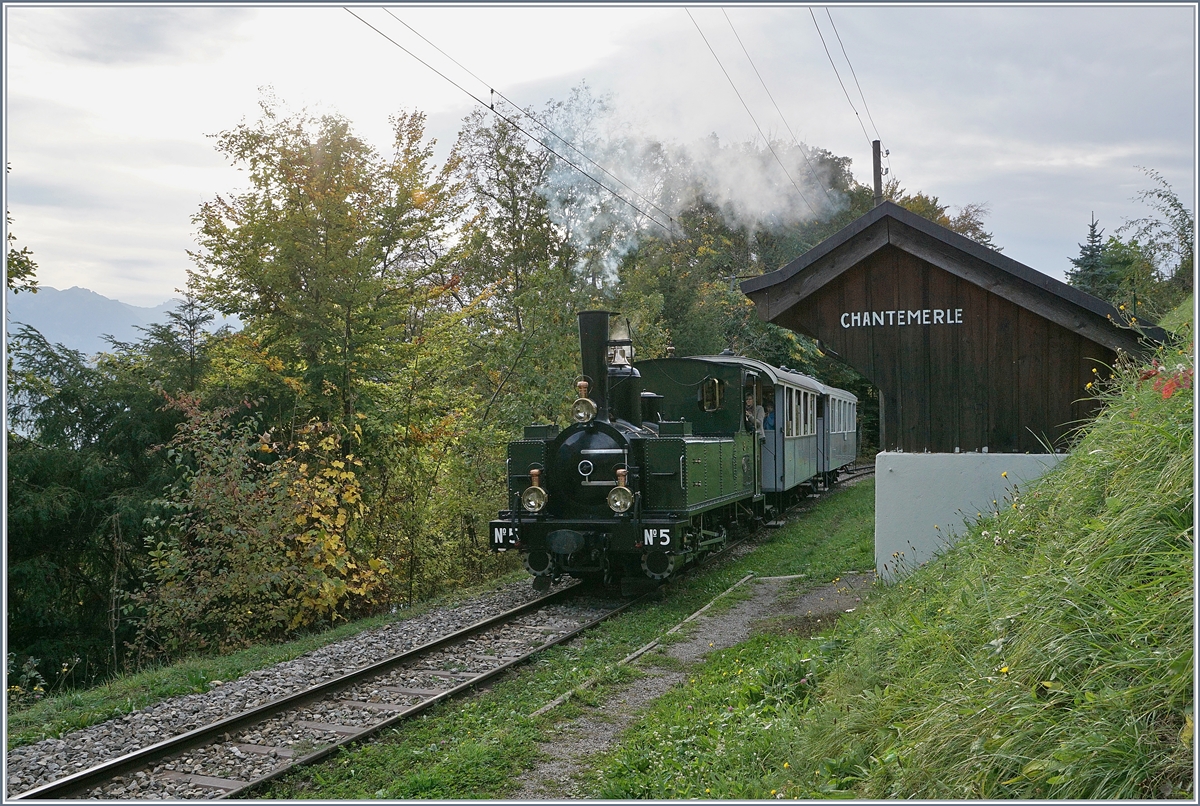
{"points": [[1006, 378]]}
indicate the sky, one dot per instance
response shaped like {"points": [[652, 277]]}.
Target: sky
{"points": [[1044, 113]]}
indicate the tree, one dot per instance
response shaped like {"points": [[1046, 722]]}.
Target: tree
{"points": [[19, 268], [1091, 273], [82, 473], [324, 256], [248, 543], [516, 267], [1137, 290], [1169, 239], [968, 221]]}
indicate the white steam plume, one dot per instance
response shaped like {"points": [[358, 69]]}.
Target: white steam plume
{"points": [[662, 179]]}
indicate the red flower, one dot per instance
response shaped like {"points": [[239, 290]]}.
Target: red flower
{"points": [[1180, 380]]}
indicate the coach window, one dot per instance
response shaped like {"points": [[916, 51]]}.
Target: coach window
{"points": [[768, 404], [791, 411]]}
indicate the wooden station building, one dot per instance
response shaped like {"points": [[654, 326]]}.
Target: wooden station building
{"points": [[969, 349]]}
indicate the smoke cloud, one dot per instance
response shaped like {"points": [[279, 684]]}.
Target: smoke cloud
{"points": [[648, 182]]}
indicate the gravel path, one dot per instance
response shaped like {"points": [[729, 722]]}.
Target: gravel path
{"points": [[777, 601]]}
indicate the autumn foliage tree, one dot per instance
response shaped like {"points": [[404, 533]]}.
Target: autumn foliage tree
{"points": [[325, 255]]}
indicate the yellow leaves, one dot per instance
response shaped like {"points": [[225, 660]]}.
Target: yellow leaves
{"points": [[1188, 731]]}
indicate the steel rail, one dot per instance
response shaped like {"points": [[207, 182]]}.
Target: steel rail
{"points": [[413, 710], [81, 781]]}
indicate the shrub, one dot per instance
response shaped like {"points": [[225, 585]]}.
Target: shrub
{"points": [[254, 540]]}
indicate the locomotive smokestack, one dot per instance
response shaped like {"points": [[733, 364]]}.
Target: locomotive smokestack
{"points": [[593, 349]]}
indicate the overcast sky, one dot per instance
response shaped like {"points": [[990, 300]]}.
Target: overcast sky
{"points": [[1043, 113]]}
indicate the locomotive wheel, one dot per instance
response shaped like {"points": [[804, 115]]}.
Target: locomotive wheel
{"points": [[608, 575]]}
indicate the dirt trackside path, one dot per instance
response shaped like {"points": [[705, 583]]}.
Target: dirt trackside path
{"points": [[788, 604]]}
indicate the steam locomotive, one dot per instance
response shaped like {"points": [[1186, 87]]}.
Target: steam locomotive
{"points": [[663, 458]]}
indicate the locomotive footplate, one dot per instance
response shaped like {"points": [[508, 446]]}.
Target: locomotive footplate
{"points": [[568, 536]]}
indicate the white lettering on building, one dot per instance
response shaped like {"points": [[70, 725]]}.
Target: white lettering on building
{"points": [[925, 316]]}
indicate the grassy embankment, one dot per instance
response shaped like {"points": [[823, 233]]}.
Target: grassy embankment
{"points": [[480, 747], [1048, 655]]}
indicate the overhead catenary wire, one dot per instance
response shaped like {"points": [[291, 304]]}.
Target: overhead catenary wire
{"points": [[795, 139], [866, 108], [515, 124], [748, 112], [857, 116], [534, 118]]}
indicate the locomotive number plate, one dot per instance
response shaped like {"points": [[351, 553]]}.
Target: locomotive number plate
{"points": [[660, 537], [504, 537]]}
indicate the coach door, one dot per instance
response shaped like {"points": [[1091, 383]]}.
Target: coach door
{"points": [[752, 396], [823, 422]]}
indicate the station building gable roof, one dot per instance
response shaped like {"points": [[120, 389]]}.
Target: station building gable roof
{"points": [[889, 224]]}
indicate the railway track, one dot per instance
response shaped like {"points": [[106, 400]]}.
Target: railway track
{"points": [[231, 757], [856, 472]]}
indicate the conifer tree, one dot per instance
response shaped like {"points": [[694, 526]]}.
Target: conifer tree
{"points": [[1092, 273]]}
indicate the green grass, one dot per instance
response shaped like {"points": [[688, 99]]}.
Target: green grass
{"points": [[1048, 655], [1180, 319], [58, 713], [480, 747]]}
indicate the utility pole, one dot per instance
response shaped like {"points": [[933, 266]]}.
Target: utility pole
{"points": [[877, 158]]}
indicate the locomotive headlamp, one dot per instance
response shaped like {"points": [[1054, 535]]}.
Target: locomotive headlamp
{"points": [[534, 498], [620, 498], [583, 410]]}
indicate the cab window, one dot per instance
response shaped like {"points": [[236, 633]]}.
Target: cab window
{"points": [[711, 394]]}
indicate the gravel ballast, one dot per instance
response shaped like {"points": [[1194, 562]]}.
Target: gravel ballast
{"points": [[36, 764]]}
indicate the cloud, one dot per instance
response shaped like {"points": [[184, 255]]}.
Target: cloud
{"points": [[127, 36]]}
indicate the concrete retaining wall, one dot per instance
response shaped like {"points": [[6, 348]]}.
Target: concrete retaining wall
{"points": [[923, 499]]}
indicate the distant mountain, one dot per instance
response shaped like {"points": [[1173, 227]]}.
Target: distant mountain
{"points": [[79, 318]]}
